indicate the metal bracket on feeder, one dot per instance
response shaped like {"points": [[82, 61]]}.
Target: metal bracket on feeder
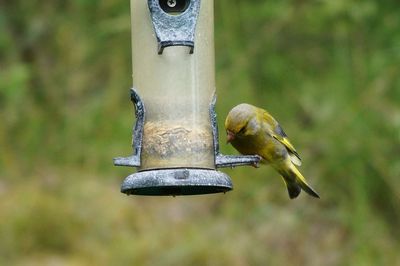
{"points": [[174, 22], [137, 136]]}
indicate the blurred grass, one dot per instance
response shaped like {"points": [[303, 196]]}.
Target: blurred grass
{"points": [[328, 70]]}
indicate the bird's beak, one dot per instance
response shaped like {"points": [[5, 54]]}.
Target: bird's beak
{"points": [[229, 136]]}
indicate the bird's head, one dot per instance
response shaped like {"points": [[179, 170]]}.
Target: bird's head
{"points": [[241, 122]]}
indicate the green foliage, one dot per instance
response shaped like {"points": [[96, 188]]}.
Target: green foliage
{"points": [[327, 70]]}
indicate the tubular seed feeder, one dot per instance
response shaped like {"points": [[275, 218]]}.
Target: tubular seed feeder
{"points": [[175, 138]]}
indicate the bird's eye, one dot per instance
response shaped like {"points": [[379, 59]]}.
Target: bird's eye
{"points": [[242, 130]]}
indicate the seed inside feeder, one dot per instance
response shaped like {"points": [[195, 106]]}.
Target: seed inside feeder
{"points": [[173, 144]]}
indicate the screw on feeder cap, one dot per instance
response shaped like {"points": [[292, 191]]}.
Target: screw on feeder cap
{"points": [[174, 22], [174, 7], [171, 3]]}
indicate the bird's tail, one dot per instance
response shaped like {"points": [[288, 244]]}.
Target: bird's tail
{"points": [[295, 182]]}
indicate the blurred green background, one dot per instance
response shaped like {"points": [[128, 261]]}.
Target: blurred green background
{"points": [[329, 71]]}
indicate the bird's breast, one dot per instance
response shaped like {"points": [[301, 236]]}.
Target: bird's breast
{"points": [[248, 145]]}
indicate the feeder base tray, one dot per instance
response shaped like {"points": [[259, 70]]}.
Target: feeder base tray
{"points": [[175, 182]]}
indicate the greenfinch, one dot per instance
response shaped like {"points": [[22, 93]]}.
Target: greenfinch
{"points": [[252, 130]]}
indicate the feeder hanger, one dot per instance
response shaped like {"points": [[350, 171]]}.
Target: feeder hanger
{"points": [[174, 22]]}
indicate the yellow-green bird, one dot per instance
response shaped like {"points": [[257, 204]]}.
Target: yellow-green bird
{"points": [[252, 130]]}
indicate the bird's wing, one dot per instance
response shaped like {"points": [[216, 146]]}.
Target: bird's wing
{"points": [[280, 135]]}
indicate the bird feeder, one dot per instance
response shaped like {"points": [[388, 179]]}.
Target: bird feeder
{"points": [[175, 138]]}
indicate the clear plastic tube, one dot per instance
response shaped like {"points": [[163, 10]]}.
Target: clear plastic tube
{"points": [[176, 88]]}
